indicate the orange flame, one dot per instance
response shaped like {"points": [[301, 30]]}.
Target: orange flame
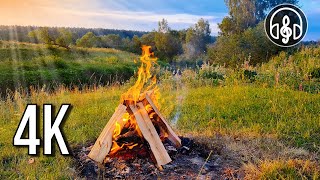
{"points": [[125, 117], [117, 130], [144, 76], [144, 83]]}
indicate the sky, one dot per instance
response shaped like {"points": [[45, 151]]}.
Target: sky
{"points": [[140, 15]]}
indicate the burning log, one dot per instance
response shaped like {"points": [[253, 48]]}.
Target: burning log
{"points": [[104, 142], [171, 134], [126, 135], [137, 121], [150, 134]]}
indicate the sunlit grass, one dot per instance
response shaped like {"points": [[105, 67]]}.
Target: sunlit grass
{"points": [[23, 65], [89, 114], [279, 169], [292, 116], [229, 107]]}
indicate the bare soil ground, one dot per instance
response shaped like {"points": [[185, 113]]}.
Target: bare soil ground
{"points": [[193, 160], [219, 157]]}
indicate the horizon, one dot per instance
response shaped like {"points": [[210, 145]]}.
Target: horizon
{"points": [[131, 16]]}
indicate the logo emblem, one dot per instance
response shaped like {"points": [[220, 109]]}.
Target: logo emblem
{"points": [[286, 25]]}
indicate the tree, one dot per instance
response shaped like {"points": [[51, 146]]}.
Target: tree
{"points": [[167, 42], [242, 35], [251, 45], [226, 51], [64, 39], [167, 46], [61, 37], [111, 41], [88, 40], [197, 38], [243, 13], [148, 39], [262, 6], [163, 26], [256, 44], [126, 44], [246, 13], [136, 44], [202, 30], [42, 35]]}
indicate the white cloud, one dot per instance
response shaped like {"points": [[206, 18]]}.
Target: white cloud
{"points": [[72, 13], [133, 20]]}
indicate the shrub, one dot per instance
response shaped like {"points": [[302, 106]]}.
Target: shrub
{"points": [[208, 71], [234, 49], [250, 75], [315, 73]]}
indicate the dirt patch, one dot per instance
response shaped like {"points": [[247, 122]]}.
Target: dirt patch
{"points": [[193, 160]]}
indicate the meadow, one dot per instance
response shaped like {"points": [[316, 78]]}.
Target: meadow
{"points": [[23, 65], [268, 118]]}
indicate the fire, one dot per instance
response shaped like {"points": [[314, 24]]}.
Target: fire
{"points": [[148, 108], [117, 133], [125, 117], [137, 126], [117, 130], [145, 82], [144, 76]]}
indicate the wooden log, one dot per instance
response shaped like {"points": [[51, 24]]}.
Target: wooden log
{"points": [[103, 144], [172, 136], [150, 134]]}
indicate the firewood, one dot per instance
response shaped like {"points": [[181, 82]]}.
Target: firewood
{"points": [[150, 134], [172, 136], [103, 144], [126, 135]]}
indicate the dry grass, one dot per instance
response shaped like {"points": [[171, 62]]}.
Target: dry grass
{"points": [[280, 169]]}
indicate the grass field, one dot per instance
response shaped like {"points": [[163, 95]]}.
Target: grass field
{"points": [[23, 65], [285, 116], [271, 126]]}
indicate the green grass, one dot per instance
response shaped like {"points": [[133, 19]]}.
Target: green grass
{"points": [[87, 118], [288, 115], [231, 106], [291, 169], [24, 65]]}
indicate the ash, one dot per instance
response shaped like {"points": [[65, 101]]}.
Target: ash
{"points": [[190, 161]]}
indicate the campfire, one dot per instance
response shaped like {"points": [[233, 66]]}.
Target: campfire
{"points": [[137, 122]]}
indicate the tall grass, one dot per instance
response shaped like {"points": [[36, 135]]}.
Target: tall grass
{"points": [[50, 68], [210, 100], [289, 115], [90, 112]]}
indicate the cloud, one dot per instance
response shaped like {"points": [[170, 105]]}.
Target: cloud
{"points": [[91, 15], [122, 14], [141, 20]]}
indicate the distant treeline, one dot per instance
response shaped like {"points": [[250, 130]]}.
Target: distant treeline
{"points": [[241, 38], [20, 33], [169, 45]]}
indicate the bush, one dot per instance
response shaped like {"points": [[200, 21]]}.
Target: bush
{"points": [[233, 49], [250, 75], [208, 71], [315, 73]]}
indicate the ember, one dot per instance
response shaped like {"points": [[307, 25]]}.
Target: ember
{"points": [[190, 161], [137, 122]]}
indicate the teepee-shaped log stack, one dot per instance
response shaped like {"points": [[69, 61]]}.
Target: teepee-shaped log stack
{"points": [[137, 110]]}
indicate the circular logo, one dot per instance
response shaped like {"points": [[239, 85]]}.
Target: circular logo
{"points": [[286, 25]]}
